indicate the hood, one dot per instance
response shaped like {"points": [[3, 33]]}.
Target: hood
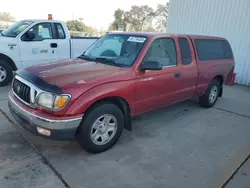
{"points": [[79, 71]]}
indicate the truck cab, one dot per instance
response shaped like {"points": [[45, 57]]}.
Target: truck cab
{"points": [[34, 42]]}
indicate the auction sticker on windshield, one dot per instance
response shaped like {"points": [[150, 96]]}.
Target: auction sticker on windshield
{"points": [[137, 39]]}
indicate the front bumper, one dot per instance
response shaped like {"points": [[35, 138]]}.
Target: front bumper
{"points": [[60, 128]]}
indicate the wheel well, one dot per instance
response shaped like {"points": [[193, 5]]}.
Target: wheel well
{"points": [[120, 103], [220, 79], [9, 60]]}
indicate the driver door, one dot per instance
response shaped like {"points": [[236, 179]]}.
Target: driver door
{"points": [[157, 88], [42, 49]]}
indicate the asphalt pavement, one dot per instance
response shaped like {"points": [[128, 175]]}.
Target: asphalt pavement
{"points": [[183, 145]]}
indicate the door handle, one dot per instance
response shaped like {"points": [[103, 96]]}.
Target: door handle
{"points": [[53, 45], [177, 75]]}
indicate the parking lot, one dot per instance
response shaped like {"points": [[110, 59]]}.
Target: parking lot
{"points": [[183, 145]]}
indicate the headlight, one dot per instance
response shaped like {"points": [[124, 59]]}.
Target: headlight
{"points": [[52, 101]]}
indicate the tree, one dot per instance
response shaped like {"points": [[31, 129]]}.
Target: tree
{"points": [[161, 17], [75, 25], [112, 27], [140, 17], [5, 16], [150, 29], [119, 22]]}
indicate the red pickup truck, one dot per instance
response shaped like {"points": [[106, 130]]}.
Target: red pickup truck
{"points": [[93, 97]]}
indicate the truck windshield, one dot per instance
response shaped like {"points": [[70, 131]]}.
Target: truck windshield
{"points": [[16, 29], [116, 49]]}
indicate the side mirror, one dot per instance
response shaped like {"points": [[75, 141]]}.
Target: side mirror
{"points": [[150, 65], [30, 35]]}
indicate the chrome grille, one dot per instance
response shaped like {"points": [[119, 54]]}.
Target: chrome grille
{"points": [[21, 90]]}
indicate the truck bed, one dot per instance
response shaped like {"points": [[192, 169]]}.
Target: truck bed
{"points": [[80, 44]]}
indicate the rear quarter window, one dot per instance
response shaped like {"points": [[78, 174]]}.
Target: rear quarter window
{"points": [[186, 57], [210, 49], [227, 50], [60, 31]]}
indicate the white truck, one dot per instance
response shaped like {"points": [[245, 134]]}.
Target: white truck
{"points": [[33, 42]]}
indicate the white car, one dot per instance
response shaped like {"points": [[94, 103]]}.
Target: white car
{"points": [[33, 42]]}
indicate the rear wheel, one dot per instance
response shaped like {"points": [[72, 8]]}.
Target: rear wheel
{"points": [[101, 128], [5, 73], [210, 97]]}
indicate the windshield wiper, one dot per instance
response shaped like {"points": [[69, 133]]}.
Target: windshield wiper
{"points": [[85, 57], [1, 33], [109, 61]]}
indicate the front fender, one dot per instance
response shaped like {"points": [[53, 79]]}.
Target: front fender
{"points": [[9, 47], [123, 89]]}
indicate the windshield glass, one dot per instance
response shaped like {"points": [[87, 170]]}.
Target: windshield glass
{"points": [[115, 49], [16, 28]]}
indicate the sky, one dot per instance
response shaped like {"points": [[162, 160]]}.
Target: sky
{"points": [[95, 13]]}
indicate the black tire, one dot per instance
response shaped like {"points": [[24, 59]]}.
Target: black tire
{"points": [[4, 66], [204, 99], [83, 134]]}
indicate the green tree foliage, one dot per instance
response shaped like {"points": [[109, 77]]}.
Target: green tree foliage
{"points": [[75, 25], [5, 16], [161, 17], [141, 18], [119, 22]]}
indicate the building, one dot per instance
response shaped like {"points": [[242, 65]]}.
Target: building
{"points": [[224, 18]]}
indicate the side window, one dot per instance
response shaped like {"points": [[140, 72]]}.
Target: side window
{"points": [[60, 31], [162, 50], [227, 50], [209, 49], [41, 31], [186, 57]]}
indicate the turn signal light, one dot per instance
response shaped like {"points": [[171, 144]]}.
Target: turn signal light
{"points": [[43, 131]]}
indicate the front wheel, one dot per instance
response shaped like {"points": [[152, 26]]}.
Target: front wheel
{"points": [[101, 128], [210, 97], [5, 73]]}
